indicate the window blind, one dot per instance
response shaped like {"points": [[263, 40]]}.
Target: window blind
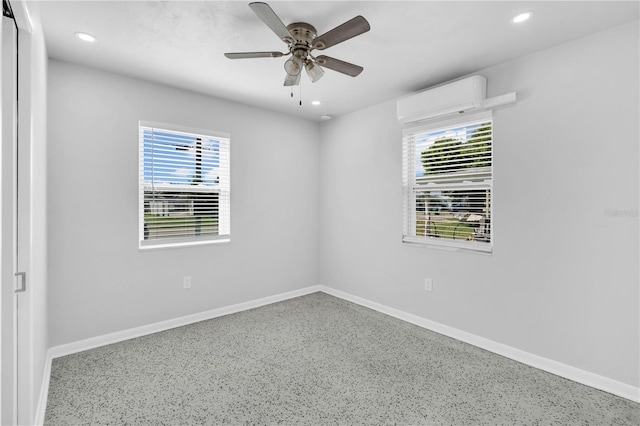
{"points": [[447, 183], [184, 187]]}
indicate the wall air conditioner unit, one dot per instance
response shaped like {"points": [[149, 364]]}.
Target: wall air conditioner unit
{"points": [[463, 95]]}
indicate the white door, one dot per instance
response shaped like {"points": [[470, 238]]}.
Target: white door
{"points": [[15, 348], [24, 347], [8, 224]]}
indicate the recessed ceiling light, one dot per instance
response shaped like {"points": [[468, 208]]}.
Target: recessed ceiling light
{"points": [[86, 37], [315, 102], [522, 17]]}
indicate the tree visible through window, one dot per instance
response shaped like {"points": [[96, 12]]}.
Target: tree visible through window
{"points": [[184, 187], [447, 184]]}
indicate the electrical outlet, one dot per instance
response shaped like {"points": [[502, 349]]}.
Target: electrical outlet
{"points": [[428, 284], [186, 282]]}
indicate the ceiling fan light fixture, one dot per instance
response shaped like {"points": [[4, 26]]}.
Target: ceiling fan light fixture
{"points": [[293, 66], [292, 80], [314, 71]]}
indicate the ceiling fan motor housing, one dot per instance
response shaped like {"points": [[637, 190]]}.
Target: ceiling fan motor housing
{"points": [[302, 32], [303, 35]]}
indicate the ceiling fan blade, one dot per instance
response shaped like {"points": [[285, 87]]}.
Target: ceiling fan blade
{"points": [[338, 65], [246, 55], [349, 29], [292, 80], [269, 17]]}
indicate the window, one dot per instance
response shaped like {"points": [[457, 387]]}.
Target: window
{"points": [[447, 183], [183, 186]]}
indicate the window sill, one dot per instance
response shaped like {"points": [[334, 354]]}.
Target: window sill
{"points": [[182, 244], [459, 246]]}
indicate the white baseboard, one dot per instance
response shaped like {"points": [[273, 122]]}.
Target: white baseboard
{"points": [[118, 336], [568, 372]]}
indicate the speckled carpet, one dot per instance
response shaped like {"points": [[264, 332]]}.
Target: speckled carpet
{"points": [[314, 360]]}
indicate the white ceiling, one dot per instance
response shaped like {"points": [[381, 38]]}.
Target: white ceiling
{"points": [[412, 45]]}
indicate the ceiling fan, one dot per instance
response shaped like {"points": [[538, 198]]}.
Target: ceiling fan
{"points": [[301, 39]]}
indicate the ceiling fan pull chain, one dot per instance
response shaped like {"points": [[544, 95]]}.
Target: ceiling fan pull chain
{"points": [[300, 92]]}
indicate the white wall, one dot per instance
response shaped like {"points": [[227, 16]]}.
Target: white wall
{"points": [[99, 281], [562, 282]]}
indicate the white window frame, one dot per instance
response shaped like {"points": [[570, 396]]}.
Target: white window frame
{"points": [[410, 187], [223, 189]]}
